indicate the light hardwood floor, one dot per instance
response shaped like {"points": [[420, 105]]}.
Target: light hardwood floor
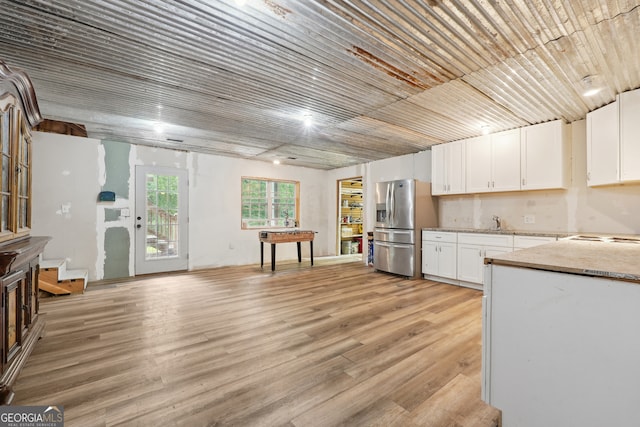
{"points": [[334, 344]]}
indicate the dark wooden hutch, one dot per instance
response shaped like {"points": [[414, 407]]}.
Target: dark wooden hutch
{"points": [[21, 325]]}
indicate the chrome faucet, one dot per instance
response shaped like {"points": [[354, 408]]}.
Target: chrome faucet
{"points": [[496, 218]]}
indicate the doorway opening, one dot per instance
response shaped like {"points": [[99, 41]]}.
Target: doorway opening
{"points": [[350, 229]]}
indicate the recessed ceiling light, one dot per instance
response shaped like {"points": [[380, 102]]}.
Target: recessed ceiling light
{"points": [[306, 117], [485, 129], [276, 162], [158, 127], [590, 85]]}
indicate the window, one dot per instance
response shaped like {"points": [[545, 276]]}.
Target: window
{"points": [[269, 203]]}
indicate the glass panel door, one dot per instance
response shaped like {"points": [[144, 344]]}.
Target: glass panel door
{"points": [[161, 219]]}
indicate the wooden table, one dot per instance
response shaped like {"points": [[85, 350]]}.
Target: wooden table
{"points": [[284, 236]]}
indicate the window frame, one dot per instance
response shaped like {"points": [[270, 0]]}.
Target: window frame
{"points": [[271, 222]]}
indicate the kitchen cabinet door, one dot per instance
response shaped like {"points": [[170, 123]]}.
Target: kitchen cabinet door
{"points": [[438, 161], [447, 168], [505, 160], [439, 254], [430, 264], [603, 152], [439, 259], [447, 260], [456, 167], [478, 164], [545, 156], [630, 135], [493, 162], [470, 262], [473, 248]]}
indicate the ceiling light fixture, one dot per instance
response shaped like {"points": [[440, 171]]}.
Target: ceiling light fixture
{"points": [[590, 86], [485, 129], [158, 127], [307, 119], [276, 162], [240, 2]]}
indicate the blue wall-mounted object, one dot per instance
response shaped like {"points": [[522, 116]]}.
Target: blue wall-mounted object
{"points": [[107, 196]]}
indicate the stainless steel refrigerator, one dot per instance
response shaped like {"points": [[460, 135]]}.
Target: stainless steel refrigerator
{"points": [[403, 209]]}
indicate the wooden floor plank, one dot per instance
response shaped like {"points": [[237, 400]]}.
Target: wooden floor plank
{"points": [[334, 344]]}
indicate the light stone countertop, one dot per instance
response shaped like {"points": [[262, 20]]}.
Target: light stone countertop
{"points": [[507, 232], [601, 259]]}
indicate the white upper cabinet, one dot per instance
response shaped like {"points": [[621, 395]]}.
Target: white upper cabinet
{"points": [[545, 156], [438, 182], [603, 146], [448, 168], [478, 160], [493, 162], [630, 135], [505, 160]]}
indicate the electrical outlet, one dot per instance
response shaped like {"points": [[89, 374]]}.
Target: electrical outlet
{"points": [[529, 219]]}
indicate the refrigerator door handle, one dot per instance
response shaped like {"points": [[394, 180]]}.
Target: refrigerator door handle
{"points": [[393, 205]]}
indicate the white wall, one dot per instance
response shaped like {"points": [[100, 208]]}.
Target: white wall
{"points": [[69, 171], [66, 181], [215, 237]]}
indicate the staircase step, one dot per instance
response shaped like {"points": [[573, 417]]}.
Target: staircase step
{"points": [[75, 275], [56, 279], [53, 288], [52, 269]]}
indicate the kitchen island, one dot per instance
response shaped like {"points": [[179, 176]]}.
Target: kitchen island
{"points": [[560, 333]]}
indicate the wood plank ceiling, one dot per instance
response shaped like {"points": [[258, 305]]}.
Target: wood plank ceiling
{"points": [[377, 78]]}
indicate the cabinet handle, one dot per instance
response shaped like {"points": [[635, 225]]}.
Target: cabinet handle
{"points": [[488, 184], [588, 176], [523, 181], [493, 184]]}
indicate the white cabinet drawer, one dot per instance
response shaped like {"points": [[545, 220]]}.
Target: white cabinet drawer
{"points": [[501, 240], [439, 236], [522, 242]]}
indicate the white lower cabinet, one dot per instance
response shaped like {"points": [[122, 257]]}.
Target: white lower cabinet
{"points": [[471, 261], [472, 250], [458, 258], [439, 254]]}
